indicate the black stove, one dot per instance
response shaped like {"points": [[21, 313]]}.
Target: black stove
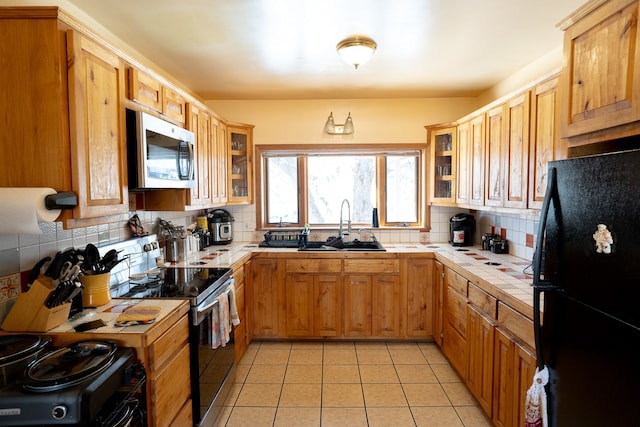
{"points": [[195, 284]]}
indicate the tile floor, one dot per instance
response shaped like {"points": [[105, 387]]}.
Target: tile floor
{"points": [[349, 384]]}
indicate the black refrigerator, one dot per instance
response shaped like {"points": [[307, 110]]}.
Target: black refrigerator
{"points": [[587, 280]]}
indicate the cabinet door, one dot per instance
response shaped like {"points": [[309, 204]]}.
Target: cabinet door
{"points": [[493, 155], [199, 123], [300, 302], [266, 298], [545, 144], [476, 156], [524, 369], [173, 105], [144, 89], [516, 155], [463, 178], [600, 79], [442, 165], [480, 337], [97, 128], [218, 162], [385, 306], [240, 164], [357, 306], [327, 306], [503, 380], [438, 301], [419, 278]]}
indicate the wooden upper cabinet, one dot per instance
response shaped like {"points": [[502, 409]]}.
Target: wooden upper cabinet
{"points": [[601, 78], [442, 176], [545, 144], [150, 92], [220, 178], [494, 157], [97, 128], [463, 178], [144, 89], [240, 164], [516, 154], [476, 160], [66, 114], [199, 122], [173, 104]]}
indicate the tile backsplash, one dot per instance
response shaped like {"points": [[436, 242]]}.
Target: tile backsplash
{"points": [[19, 252]]}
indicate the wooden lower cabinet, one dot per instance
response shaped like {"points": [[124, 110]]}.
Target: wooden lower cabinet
{"points": [[514, 367], [438, 301], [480, 337], [170, 386], [418, 277], [240, 331], [314, 305], [357, 306], [267, 299], [454, 341]]}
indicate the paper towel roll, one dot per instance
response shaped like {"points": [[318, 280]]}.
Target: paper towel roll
{"points": [[21, 208]]}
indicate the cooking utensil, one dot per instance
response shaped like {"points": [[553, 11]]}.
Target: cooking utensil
{"points": [[92, 257], [36, 270]]}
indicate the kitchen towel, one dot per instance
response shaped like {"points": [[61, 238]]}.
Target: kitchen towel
{"points": [[233, 308], [21, 208], [536, 402]]}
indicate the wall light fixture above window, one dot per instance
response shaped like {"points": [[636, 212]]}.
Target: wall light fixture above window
{"points": [[333, 129]]}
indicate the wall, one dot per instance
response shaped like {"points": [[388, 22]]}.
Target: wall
{"points": [[375, 120]]}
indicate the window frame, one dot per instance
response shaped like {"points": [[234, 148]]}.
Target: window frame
{"points": [[378, 150]]}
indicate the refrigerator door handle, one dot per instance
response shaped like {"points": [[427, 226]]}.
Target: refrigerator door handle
{"points": [[540, 285]]}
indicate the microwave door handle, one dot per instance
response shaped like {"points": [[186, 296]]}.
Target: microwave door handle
{"points": [[181, 151]]}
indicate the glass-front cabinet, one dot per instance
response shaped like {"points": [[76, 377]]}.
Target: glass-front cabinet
{"points": [[442, 171], [240, 163]]}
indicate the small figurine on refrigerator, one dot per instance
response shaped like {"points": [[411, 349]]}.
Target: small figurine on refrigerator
{"points": [[603, 239]]}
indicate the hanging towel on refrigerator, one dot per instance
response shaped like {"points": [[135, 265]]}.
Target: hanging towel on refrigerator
{"points": [[536, 403]]}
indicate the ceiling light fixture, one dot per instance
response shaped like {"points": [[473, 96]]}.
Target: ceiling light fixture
{"points": [[333, 129], [356, 50]]}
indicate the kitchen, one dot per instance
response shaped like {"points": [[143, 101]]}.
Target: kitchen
{"points": [[24, 250]]}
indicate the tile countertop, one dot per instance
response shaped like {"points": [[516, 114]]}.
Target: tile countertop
{"points": [[506, 281], [110, 311]]}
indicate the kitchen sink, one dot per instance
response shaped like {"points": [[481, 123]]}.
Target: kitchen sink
{"points": [[340, 245]]}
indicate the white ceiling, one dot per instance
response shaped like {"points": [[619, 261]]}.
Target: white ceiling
{"points": [[285, 49]]}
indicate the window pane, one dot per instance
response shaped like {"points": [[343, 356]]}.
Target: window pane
{"points": [[282, 189], [402, 189], [333, 179]]}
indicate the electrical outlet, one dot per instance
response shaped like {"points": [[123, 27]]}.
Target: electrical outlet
{"points": [[14, 285], [4, 289]]}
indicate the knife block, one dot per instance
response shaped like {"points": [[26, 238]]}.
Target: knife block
{"points": [[29, 314]]}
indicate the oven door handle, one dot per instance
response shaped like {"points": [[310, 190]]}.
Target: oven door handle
{"points": [[206, 306]]}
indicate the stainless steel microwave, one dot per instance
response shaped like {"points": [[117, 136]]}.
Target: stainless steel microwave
{"points": [[159, 153]]}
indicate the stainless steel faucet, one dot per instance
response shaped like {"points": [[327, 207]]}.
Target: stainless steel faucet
{"points": [[341, 233]]}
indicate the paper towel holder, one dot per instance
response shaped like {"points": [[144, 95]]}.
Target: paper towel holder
{"points": [[62, 200]]}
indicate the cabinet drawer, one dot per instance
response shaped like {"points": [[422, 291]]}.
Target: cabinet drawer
{"points": [[456, 311], [516, 323], [485, 302], [456, 281], [314, 265], [165, 346], [454, 346], [368, 266]]}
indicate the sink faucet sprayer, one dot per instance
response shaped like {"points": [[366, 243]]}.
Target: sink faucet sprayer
{"points": [[341, 233]]}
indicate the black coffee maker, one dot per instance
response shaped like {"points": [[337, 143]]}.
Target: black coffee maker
{"points": [[462, 227]]}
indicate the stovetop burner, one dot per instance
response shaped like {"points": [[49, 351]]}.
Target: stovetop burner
{"points": [[192, 283]]}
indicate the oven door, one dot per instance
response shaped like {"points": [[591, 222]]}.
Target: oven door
{"points": [[212, 369]]}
